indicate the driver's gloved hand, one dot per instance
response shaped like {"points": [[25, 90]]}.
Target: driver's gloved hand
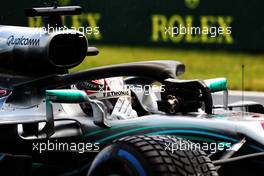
{"points": [[123, 109]]}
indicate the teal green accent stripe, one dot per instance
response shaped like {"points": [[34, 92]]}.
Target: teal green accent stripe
{"points": [[194, 132], [256, 147], [139, 129], [195, 138], [93, 133], [2, 156], [123, 133], [104, 130], [37, 165]]}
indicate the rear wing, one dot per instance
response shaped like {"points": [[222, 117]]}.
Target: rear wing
{"points": [[52, 15]]}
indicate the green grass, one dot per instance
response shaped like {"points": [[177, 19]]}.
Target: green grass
{"points": [[199, 64]]}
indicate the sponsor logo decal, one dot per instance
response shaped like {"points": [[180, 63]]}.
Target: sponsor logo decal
{"points": [[23, 41], [116, 93]]}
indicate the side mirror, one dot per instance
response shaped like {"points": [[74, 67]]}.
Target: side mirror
{"points": [[217, 85], [72, 96], [66, 96]]}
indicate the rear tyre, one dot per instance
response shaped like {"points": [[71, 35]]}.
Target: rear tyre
{"points": [[147, 155]]}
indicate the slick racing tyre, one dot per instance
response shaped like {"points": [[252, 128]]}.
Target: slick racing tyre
{"points": [[148, 156]]}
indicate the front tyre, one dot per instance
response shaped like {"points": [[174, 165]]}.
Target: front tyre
{"points": [[146, 156]]}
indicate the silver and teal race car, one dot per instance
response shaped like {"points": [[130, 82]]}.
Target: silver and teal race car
{"points": [[127, 119], [175, 130]]}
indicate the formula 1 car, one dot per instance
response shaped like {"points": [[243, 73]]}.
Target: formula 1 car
{"points": [[57, 123]]}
